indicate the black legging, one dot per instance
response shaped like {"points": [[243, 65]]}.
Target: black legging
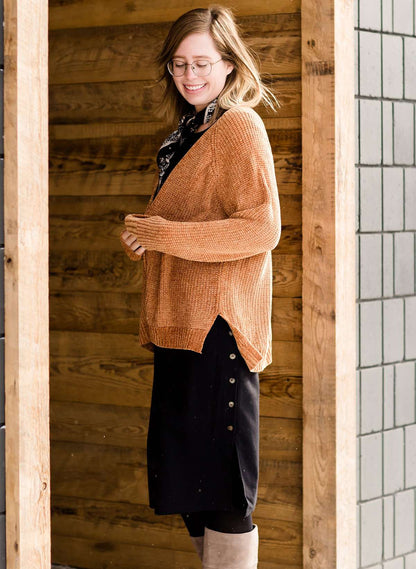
{"points": [[226, 522]]}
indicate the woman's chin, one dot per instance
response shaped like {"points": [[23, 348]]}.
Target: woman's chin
{"points": [[197, 99]]}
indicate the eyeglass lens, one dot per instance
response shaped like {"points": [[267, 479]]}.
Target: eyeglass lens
{"points": [[200, 67]]}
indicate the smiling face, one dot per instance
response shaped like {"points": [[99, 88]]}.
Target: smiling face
{"points": [[199, 91]]}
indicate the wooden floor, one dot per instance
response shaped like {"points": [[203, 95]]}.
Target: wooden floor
{"points": [[103, 140]]}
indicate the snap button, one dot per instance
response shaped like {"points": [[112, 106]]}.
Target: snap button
{"points": [[232, 356], [231, 404], [230, 427], [232, 380]]}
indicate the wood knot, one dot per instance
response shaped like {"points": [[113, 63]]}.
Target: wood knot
{"points": [[319, 67]]}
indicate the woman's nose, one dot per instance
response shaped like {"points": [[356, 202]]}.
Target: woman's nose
{"points": [[189, 72]]}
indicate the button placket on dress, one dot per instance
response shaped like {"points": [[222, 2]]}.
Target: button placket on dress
{"points": [[231, 391]]}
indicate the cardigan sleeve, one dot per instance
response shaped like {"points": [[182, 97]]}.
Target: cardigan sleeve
{"points": [[247, 189]]}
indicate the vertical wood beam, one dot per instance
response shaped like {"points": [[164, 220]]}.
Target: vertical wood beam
{"points": [[329, 346], [26, 284]]}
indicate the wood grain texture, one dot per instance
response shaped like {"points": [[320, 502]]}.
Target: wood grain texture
{"points": [[126, 426], [133, 524], [87, 223], [118, 312], [122, 165], [127, 52], [27, 468], [329, 431], [115, 369], [92, 13], [151, 127], [106, 271], [122, 477], [132, 101], [345, 300]]}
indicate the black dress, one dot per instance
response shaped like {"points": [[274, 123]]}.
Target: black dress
{"points": [[203, 437]]}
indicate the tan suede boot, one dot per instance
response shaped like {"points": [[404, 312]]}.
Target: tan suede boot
{"points": [[230, 550], [198, 544]]}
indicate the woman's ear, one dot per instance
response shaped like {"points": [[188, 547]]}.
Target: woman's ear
{"points": [[230, 67]]}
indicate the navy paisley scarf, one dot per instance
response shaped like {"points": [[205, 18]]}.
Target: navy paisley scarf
{"points": [[187, 124]]}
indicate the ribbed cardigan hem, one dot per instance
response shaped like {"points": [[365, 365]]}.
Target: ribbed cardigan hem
{"points": [[193, 339]]}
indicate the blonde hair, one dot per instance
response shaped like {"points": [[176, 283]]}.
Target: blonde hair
{"points": [[243, 85]]}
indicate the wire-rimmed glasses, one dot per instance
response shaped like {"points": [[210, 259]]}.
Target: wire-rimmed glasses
{"points": [[201, 67]]}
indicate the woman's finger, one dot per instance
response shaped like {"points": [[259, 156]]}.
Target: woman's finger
{"points": [[126, 235], [139, 252], [130, 240]]}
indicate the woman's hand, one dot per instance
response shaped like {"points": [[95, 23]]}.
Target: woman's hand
{"points": [[130, 244]]}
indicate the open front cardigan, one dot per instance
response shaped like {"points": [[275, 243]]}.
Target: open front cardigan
{"points": [[208, 236]]}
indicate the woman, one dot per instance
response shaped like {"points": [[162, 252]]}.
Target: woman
{"points": [[206, 239]]}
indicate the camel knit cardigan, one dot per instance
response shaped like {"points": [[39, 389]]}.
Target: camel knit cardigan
{"points": [[208, 236]]}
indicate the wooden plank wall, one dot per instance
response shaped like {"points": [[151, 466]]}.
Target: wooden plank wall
{"points": [[103, 140]]}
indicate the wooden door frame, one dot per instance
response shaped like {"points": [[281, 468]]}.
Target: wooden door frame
{"points": [[328, 242], [328, 295], [26, 284]]}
